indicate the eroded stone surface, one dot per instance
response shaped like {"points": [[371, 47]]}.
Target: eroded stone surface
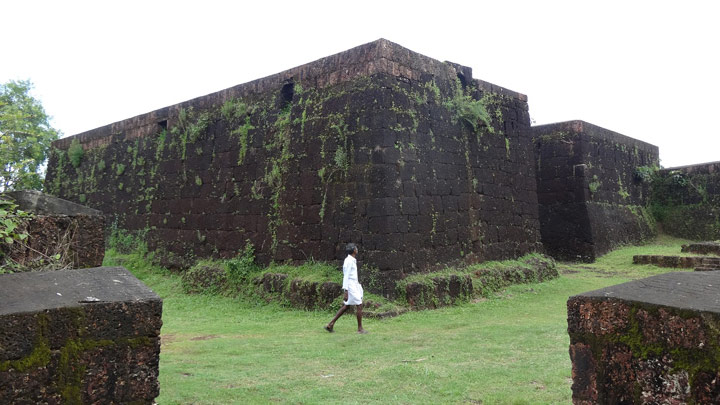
{"points": [[78, 336], [647, 341]]}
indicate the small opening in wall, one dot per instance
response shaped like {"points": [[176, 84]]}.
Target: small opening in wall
{"points": [[162, 125], [463, 81], [287, 93]]}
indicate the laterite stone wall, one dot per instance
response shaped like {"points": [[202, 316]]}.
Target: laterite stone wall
{"points": [[410, 157], [652, 341], [89, 336], [686, 201], [591, 197], [57, 227]]}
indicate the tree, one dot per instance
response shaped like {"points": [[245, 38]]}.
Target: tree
{"points": [[25, 137]]}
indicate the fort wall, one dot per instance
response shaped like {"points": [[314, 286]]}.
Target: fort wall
{"points": [[686, 201], [591, 197], [410, 157]]}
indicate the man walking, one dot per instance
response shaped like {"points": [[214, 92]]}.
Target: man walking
{"points": [[353, 291]]}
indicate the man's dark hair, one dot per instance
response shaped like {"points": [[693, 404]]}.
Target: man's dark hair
{"points": [[350, 248]]}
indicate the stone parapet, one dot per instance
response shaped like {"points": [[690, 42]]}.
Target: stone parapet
{"points": [[377, 57]]}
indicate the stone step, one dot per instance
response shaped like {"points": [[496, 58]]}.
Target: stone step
{"points": [[687, 262], [709, 264]]}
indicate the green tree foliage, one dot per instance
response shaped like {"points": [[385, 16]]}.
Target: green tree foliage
{"points": [[25, 137], [12, 229]]}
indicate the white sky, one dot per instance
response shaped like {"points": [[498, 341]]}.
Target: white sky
{"points": [[646, 69]]}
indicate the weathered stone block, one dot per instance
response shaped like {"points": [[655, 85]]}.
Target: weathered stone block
{"points": [[653, 340], [60, 227], [702, 248], [88, 336], [685, 262]]}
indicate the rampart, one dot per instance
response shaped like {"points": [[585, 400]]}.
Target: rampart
{"points": [[590, 194], [686, 201], [410, 157]]}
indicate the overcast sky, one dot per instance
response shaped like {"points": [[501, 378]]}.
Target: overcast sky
{"points": [[646, 69]]}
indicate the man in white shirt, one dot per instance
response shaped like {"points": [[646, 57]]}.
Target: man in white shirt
{"points": [[353, 291]]}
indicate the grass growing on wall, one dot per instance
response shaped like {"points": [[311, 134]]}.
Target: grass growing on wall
{"points": [[511, 347]]}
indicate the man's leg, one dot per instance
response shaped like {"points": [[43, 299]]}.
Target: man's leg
{"points": [[329, 327], [358, 311]]}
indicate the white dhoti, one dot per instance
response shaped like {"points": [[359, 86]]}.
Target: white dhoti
{"points": [[355, 294], [351, 283]]}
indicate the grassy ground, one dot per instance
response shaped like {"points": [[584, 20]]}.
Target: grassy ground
{"points": [[509, 349]]}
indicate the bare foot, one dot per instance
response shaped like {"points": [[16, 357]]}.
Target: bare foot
{"points": [[329, 328], [362, 331]]}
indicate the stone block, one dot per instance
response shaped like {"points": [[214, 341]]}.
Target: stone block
{"points": [[653, 340], [702, 248], [682, 262], [88, 336], [57, 227]]}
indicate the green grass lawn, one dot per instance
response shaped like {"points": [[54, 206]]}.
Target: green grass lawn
{"points": [[511, 348]]}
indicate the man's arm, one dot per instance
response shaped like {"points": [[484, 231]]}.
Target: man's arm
{"points": [[346, 274]]}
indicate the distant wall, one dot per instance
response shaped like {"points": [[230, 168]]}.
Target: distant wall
{"points": [[686, 201], [591, 199], [410, 157]]}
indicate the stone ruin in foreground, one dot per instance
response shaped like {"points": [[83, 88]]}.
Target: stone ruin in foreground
{"points": [[654, 340], [89, 336], [416, 160], [57, 227]]}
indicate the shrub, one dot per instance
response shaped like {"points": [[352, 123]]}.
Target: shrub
{"points": [[205, 277], [124, 241], [11, 227], [240, 268], [468, 110], [75, 153]]}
